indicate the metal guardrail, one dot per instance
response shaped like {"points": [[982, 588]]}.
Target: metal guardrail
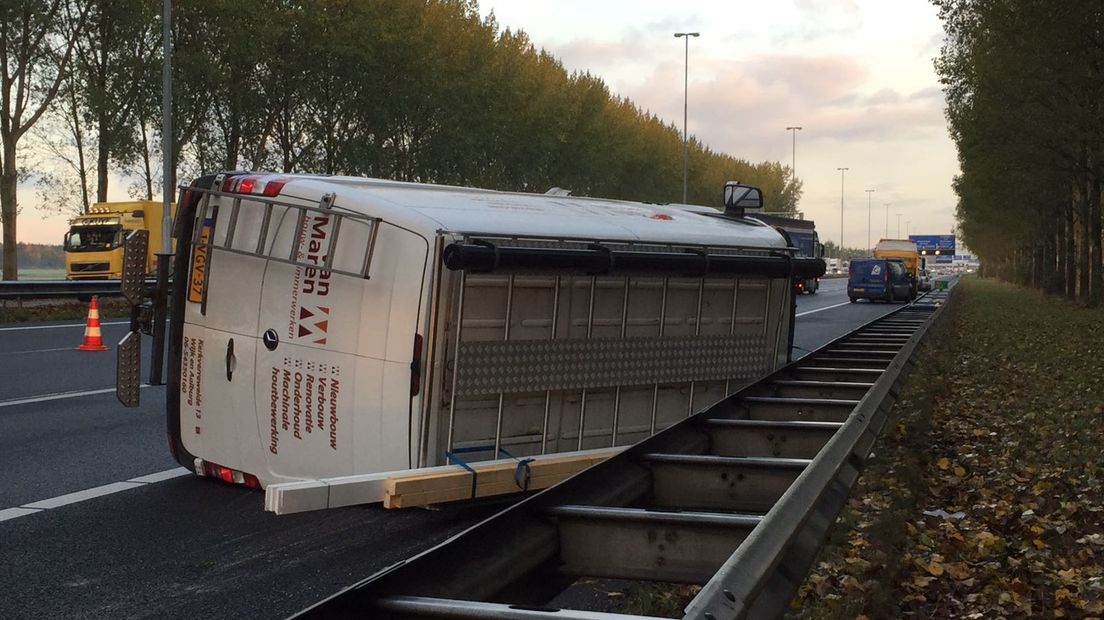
{"points": [[61, 289], [737, 498]]}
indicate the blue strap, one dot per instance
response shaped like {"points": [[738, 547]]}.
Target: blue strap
{"points": [[523, 474], [453, 458]]}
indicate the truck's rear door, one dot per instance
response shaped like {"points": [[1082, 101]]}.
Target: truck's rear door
{"points": [[867, 278], [272, 332], [333, 360], [218, 346]]}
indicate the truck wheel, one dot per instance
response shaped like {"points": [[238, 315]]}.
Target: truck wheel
{"points": [[853, 300], [890, 297]]}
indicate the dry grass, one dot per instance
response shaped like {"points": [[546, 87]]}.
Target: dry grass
{"points": [[1001, 429]]}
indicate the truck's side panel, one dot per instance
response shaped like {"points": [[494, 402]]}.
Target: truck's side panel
{"points": [[634, 354]]}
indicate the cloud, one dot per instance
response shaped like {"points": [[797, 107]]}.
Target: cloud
{"points": [[739, 106], [820, 20]]}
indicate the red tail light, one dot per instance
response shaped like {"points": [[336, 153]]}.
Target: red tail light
{"points": [[416, 367], [263, 184], [225, 474]]}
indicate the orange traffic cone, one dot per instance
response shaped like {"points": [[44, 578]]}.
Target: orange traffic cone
{"points": [[93, 339]]}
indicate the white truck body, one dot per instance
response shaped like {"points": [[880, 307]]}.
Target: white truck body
{"points": [[298, 356]]}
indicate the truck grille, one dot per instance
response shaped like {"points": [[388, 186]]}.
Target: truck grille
{"points": [[81, 267]]}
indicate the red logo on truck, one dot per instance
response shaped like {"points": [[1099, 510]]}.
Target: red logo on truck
{"points": [[314, 323]]}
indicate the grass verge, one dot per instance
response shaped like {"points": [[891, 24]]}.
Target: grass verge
{"points": [[984, 499], [11, 312]]}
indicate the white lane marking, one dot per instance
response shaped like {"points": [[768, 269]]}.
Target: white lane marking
{"points": [[81, 324], [822, 309], [80, 496], [94, 492], [12, 513], [58, 396], [161, 476], [42, 350]]}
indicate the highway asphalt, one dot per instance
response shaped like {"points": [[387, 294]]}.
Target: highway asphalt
{"points": [[178, 546]]}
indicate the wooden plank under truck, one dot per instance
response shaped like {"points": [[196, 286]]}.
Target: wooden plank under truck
{"points": [[328, 334]]}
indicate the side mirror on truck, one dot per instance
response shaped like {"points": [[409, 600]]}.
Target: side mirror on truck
{"points": [[739, 199]]}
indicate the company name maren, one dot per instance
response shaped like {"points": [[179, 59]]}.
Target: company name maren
{"points": [[317, 281]]}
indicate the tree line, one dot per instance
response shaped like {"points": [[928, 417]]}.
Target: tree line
{"points": [[39, 256], [1024, 83], [413, 90]]}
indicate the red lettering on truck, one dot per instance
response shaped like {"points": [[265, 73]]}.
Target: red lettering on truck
{"points": [[307, 320], [298, 409], [285, 398], [317, 281], [274, 395], [334, 387]]}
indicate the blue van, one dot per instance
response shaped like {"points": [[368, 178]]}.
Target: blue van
{"points": [[878, 278]]}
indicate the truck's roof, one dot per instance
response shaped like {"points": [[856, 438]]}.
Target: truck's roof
{"points": [[429, 209], [901, 245]]}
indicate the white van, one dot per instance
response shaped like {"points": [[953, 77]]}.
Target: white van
{"points": [[331, 326]]}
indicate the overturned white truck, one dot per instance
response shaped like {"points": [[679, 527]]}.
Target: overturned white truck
{"points": [[328, 327]]}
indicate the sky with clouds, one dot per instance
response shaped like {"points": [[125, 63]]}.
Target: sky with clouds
{"points": [[857, 75]]}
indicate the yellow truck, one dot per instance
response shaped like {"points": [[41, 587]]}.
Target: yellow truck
{"points": [[906, 251], [94, 243]]}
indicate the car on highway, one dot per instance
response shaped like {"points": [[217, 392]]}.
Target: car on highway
{"points": [[878, 279], [925, 282]]}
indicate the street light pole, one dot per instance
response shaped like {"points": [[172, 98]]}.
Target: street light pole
{"points": [[887, 221], [793, 161], [869, 193], [164, 253], [898, 225], [685, 106], [843, 171]]}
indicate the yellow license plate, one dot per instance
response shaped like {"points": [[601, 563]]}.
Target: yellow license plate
{"points": [[199, 267]]}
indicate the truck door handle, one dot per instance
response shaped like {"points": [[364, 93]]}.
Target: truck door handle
{"points": [[231, 361]]}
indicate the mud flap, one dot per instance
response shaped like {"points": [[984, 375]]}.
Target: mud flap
{"points": [[128, 369], [128, 356]]}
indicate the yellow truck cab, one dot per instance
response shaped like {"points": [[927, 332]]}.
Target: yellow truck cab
{"points": [[94, 243]]}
